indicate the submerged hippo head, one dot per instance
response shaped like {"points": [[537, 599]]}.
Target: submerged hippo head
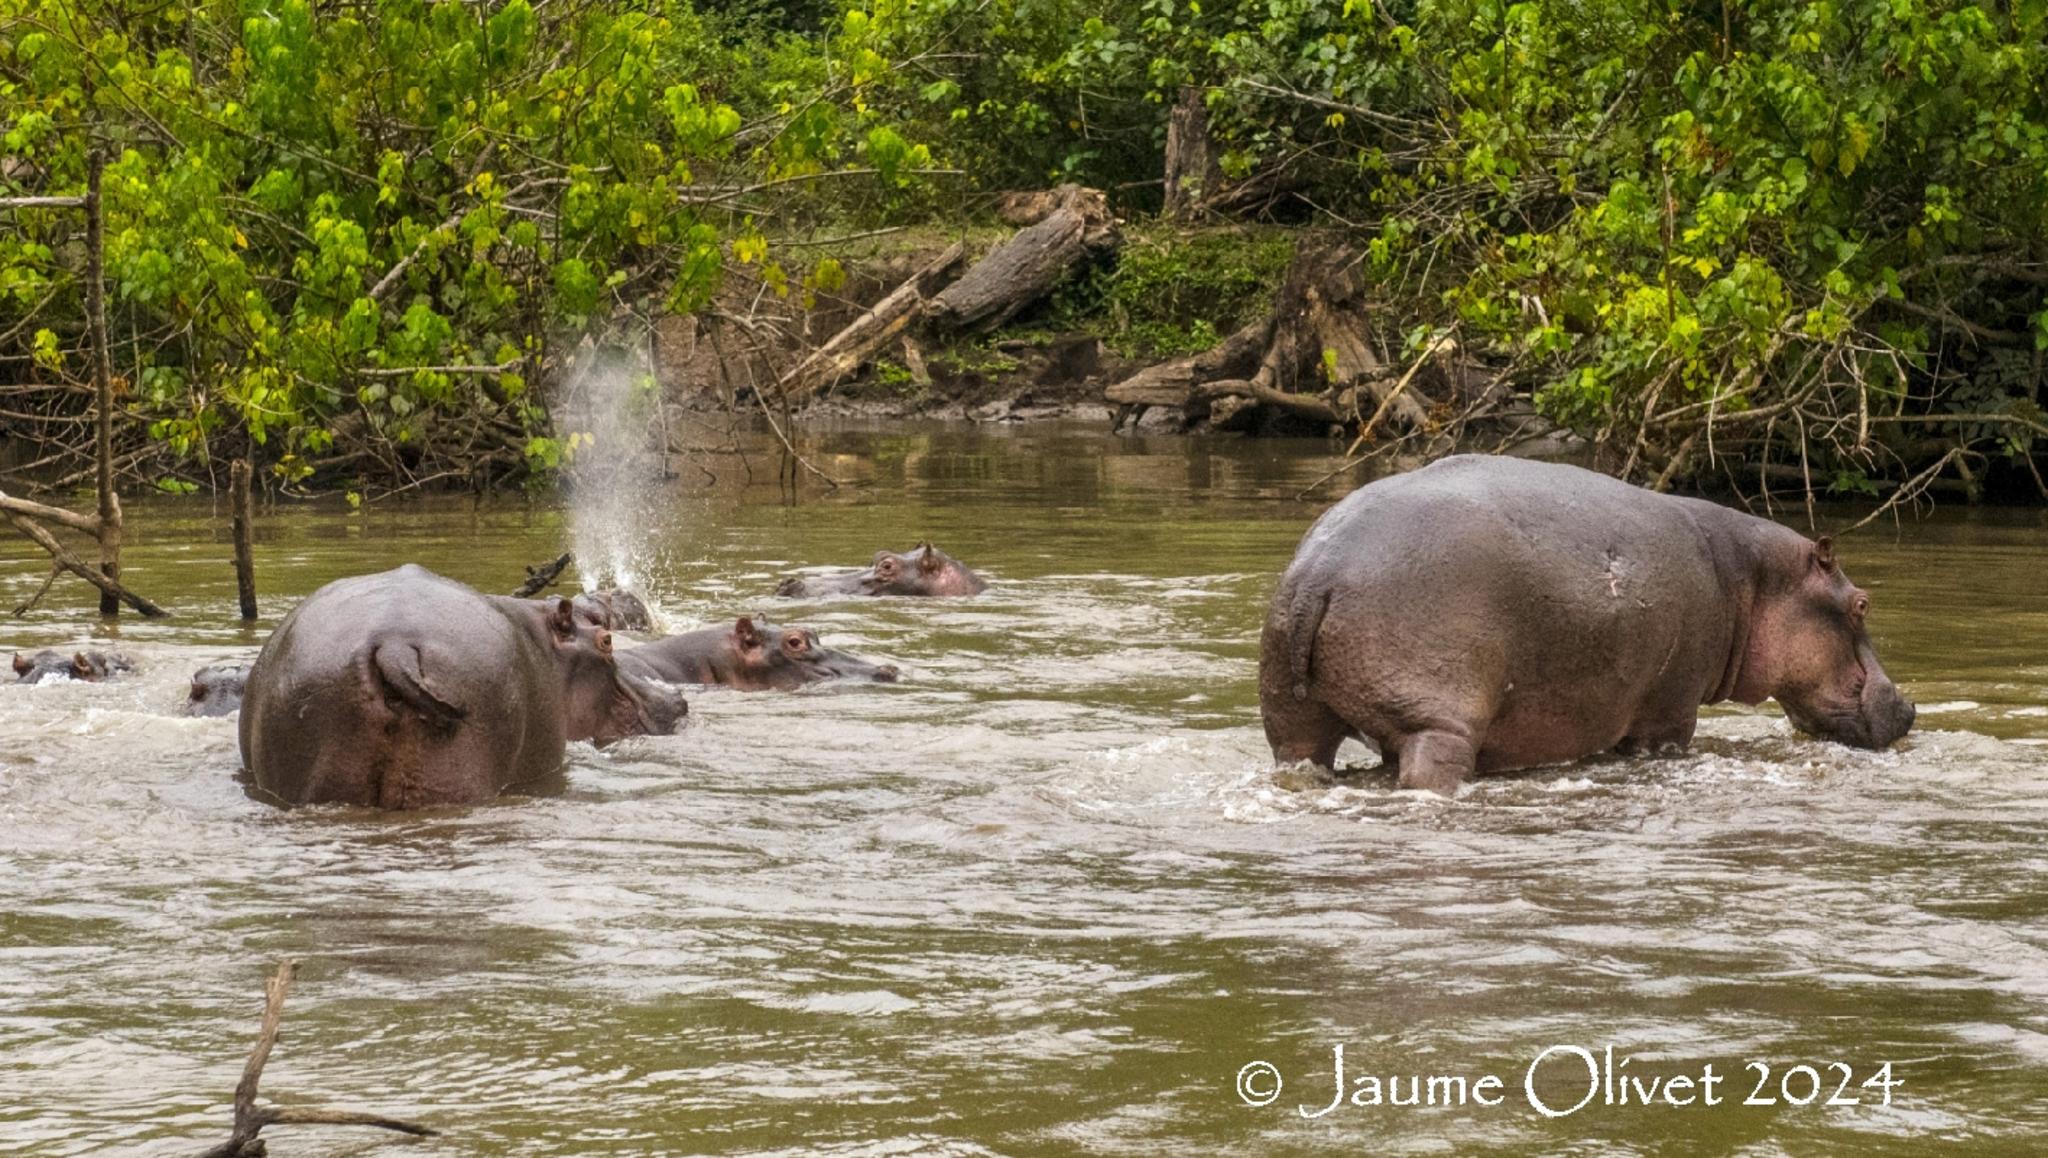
{"points": [[614, 609], [1810, 647], [785, 657], [88, 666], [923, 570], [751, 655], [217, 690], [601, 702]]}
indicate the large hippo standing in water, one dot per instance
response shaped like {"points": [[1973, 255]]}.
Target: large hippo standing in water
{"points": [[923, 570], [752, 655], [406, 690], [1484, 614]]}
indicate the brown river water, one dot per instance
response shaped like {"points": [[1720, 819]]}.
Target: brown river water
{"points": [[1046, 896]]}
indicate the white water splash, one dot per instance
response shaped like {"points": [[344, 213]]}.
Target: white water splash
{"points": [[608, 416]]}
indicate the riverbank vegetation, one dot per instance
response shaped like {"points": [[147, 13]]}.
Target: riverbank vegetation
{"points": [[1798, 242]]}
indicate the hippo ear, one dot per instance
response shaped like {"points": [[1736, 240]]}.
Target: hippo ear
{"points": [[1824, 552], [21, 664], [747, 635], [562, 620], [81, 666], [928, 559]]}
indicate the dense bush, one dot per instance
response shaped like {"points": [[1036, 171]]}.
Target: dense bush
{"points": [[350, 234], [1821, 215], [1816, 220]]}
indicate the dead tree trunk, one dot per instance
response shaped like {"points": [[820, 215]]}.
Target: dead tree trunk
{"points": [[1193, 174], [1314, 360], [109, 530], [1028, 265], [244, 522], [105, 525]]}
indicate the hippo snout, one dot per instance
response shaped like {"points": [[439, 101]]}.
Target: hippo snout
{"points": [[1887, 713], [887, 674]]}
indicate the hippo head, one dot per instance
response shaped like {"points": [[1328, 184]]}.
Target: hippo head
{"points": [[615, 610], [86, 666], [217, 690], [767, 656], [923, 570], [601, 703], [1818, 660]]}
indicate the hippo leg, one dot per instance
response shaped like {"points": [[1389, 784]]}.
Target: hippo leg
{"points": [[1304, 729], [1658, 739], [1437, 761]]}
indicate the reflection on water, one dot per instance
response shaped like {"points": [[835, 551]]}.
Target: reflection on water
{"points": [[1043, 897]]}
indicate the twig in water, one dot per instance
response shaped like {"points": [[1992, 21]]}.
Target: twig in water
{"points": [[539, 579], [56, 569], [788, 446], [250, 1120]]}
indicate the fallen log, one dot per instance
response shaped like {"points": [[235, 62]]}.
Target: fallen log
{"points": [[1306, 406], [843, 353], [1027, 266], [109, 587], [250, 1119], [1172, 383]]}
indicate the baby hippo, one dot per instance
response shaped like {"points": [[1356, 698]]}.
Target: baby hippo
{"points": [[923, 570], [613, 610], [89, 666], [752, 655], [217, 690]]}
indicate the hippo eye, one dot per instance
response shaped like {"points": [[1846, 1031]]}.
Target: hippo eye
{"points": [[604, 642], [793, 642], [1859, 607]]}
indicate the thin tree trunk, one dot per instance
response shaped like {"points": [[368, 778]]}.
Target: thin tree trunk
{"points": [[245, 518], [102, 381]]}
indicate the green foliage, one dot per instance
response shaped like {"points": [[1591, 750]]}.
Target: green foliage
{"points": [[1171, 292], [351, 233], [373, 222], [1841, 200]]}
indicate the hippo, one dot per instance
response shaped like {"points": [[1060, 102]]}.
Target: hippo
{"points": [[217, 690], [408, 690], [613, 610], [86, 666], [752, 655], [1485, 614], [922, 570]]}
